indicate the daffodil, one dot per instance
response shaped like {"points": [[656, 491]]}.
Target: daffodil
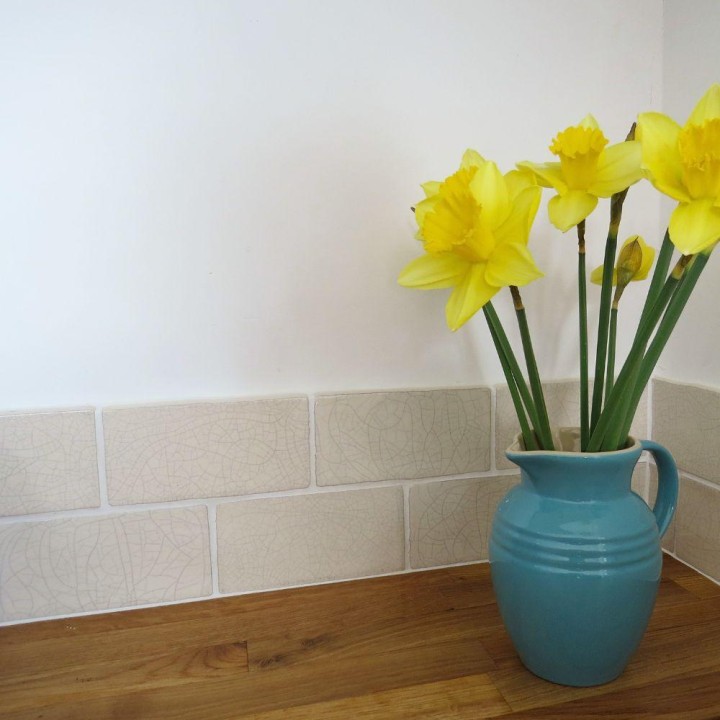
{"points": [[587, 170], [634, 262], [474, 227], [684, 163]]}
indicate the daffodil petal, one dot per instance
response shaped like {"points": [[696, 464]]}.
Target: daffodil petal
{"points": [[472, 158], [430, 188], [619, 166], [423, 208], [468, 297], [708, 106], [517, 226], [566, 211], [589, 121], [519, 180], [658, 135], [547, 174], [695, 226], [429, 272], [596, 276], [490, 191], [511, 264]]}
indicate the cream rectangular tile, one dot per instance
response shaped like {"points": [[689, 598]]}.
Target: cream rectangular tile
{"points": [[60, 567], [697, 527], [202, 450], [48, 461], [402, 435], [305, 539], [450, 520], [686, 419], [562, 398]]}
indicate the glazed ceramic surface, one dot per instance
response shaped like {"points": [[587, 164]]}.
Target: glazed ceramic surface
{"points": [[576, 559]]}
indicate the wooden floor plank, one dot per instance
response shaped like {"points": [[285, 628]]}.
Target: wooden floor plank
{"points": [[691, 697], [466, 698]]}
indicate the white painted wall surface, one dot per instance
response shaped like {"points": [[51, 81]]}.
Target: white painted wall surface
{"points": [[210, 199], [691, 60]]}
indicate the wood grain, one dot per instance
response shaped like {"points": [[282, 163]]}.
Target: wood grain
{"points": [[421, 645]]}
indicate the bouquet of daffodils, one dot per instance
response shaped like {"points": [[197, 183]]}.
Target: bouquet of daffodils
{"points": [[475, 227]]}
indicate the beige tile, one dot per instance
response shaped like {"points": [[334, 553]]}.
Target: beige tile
{"points": [[305, 539], [450, 520], [697, 527], [48, 461], [563, 404], [402, 435], [686, 419], [88, 563], [202, 450]]}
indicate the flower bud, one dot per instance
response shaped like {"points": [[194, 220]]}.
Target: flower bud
{"points": [[629, 261]]}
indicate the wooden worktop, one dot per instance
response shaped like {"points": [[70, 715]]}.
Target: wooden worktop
{"points": [[425, 645]]}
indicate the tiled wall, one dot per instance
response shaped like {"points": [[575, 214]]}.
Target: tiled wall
{"points": [[122, 507], [686, 419]]}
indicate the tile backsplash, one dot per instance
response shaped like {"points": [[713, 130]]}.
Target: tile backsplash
{"points": [[196, 500]]}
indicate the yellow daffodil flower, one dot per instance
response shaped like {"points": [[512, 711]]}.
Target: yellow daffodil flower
{"points": [[684, 163], [474, 227], [632, 266], [587, 170]]}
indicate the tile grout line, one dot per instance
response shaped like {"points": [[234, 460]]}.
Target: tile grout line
{"points": [[214, 566], [493, 428], [406, 523], [312, 441], [101, 461]]}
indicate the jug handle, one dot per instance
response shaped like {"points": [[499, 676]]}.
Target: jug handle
{"points": [[667, 494]]}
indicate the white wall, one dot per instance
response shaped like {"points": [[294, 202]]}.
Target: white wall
{"points": [[691, 60], [210, 199]]}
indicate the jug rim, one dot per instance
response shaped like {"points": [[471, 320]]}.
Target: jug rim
{"points": [[569, 437]]}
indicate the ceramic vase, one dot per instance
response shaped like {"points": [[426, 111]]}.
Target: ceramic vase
{"points": [[576, 559]]}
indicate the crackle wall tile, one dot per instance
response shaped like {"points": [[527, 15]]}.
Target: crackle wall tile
{"points": [[306, 539], [450, 520], [686, 419], [402, 435], [203, 450], [697, 526], [48, 461], [60, 567], [563, 404]]}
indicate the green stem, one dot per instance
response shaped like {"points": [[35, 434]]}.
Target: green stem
{"points": [[612, 341], [664, 331], [603, 324], [616, 406], [535, 384], [583, 337], [529, 441], [616, 205], [662, 266], [494, 321]]}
